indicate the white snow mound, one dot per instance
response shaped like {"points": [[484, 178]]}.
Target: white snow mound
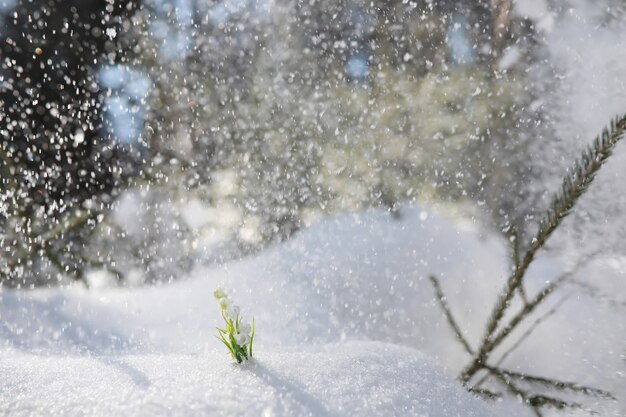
{"points": [[350, 379], [332, 307], [326, 303]]}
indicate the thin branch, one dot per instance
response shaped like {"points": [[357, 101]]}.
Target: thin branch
{"points": [[536, 401], [485, 393], [446, 309], [515, 256], [532, 328], [528, 309], [522, 293], [597, 293], [489, 345], [540, 298], [553, 383], [513, 389], [574, 185], [540, 400]]}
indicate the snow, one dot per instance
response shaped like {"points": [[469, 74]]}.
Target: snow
{"points": [[351, 379], [210, 99], [342, 312], [538, 11], [321, 316]]}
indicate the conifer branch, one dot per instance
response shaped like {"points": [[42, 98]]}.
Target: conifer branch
{"points": [[574, 185]]}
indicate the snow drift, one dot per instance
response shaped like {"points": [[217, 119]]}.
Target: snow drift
{"points": [[340, 310], [352, 379]]}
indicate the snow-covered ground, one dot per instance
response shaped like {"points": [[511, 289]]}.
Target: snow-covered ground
{"points": [[342, 311], [349, 379]]}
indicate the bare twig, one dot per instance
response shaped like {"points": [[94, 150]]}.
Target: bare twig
{"points": [[515, 256], [513, 389], [532, 328], [595, 292], [553, 383], [530, 306], [446, 309], [485, 393]]}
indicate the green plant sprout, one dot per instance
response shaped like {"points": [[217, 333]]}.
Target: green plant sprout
{"points": [[238, 336]]}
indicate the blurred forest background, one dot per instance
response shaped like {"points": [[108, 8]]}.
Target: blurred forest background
{"points": [[139, 137]]}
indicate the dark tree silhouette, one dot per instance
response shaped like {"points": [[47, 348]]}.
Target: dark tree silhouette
{"points": [[53, 143], [59, 167]]}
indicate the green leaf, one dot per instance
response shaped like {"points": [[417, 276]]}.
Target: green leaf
{"points": [[226, 344], [251, 338]]}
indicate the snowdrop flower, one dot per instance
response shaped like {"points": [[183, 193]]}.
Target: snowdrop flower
{"points": [[223, 303], [244, 328], [237, 335], [220, 293], [222, 299], [242, 339], [232, 311]]}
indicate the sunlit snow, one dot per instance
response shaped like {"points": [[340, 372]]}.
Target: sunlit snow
{"points": [[405, 195]]}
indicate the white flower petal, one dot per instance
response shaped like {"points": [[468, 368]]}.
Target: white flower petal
{"points": [[223, 303], [220, 293], [245, 328], [232, 311], [241, 339]]}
